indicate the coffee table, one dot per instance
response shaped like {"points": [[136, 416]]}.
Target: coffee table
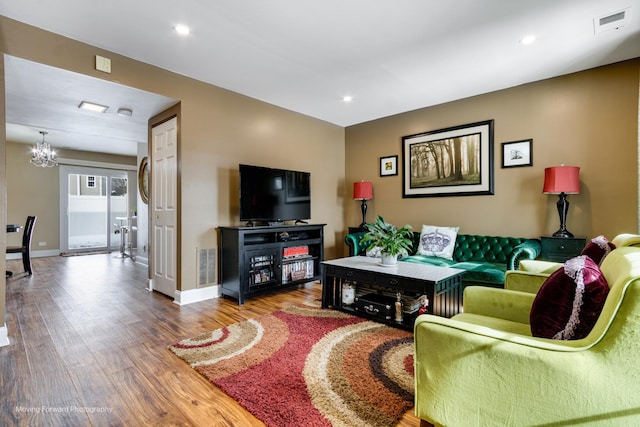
{"points": [[441, 285]]}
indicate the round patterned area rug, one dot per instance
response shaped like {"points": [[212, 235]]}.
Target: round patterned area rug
{"points": [[308, 366]]}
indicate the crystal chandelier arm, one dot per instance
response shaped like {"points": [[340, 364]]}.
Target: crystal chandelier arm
{"points": [[42, 155]]}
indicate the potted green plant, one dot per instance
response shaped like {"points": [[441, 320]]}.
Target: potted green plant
{"points": [[391, 241]]}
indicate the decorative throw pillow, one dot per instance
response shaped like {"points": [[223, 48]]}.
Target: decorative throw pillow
{"points": [[569, 302], [374, 252], [438, 241], [598, 248]]}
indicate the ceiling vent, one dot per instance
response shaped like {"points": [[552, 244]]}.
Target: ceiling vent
{"points": [[610, 21]]}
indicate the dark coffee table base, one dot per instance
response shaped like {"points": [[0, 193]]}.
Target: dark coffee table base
{"points": [[442, 286]]}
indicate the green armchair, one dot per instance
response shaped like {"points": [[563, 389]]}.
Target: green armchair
{"points": [[482, 367]]}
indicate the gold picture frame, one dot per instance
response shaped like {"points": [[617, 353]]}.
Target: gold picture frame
{"points": [[143, 179]]}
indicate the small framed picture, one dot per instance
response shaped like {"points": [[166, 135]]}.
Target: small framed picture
{"points": [[517, 153], [388, 165]]}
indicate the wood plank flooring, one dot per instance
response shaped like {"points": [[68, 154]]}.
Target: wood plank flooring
{"points": [[89, 348]]}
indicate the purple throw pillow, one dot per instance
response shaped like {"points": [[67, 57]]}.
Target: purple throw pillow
{"points": [[597, 249], [569, 302]]}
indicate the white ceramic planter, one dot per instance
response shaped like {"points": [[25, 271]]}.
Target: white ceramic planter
{"points": [[387, 259]]}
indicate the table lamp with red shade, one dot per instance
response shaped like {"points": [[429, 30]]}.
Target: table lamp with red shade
{"points": [[363, 190], [562, 180]]}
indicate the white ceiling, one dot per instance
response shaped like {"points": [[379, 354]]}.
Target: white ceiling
{"points": [[390, 56], [43, 98]]}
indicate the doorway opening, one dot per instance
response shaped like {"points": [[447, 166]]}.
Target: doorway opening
{"points": [[93, 203]]}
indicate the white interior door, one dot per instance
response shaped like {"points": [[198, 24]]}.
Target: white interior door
{"points": [[163, 202]]}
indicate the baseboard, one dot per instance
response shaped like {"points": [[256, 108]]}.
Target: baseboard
{"points": [[4, 336], [196, 295], [142, 260], [35, 254]]}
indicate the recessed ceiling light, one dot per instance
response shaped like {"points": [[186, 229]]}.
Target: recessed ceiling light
{"points": [[347, 98], [182, 29], [90, 106], [526, 40], [125, 112]]}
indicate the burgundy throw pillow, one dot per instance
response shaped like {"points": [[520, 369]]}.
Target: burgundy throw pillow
{"points": [[569, 302], [597, 249]]}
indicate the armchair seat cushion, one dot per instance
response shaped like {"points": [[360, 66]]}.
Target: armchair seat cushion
{"points": [[504, 325]]}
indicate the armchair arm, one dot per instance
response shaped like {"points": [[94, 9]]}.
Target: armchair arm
{"points": [[524, 281], [354, 244], [529, 249], [626, 239], [500, 303], [538, 266]]}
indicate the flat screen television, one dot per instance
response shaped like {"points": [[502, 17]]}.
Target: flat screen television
{"points": [[274, 195]]}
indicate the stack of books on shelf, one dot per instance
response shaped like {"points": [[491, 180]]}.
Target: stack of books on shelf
{"points": [[296, 251], [261, 269], [411, 304], [262, 276], [297, 270]]}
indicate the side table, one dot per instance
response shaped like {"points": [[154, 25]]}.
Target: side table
{"points": [[560, 249]]}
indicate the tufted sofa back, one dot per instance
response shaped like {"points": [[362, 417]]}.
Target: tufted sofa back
{"points": [[471, 247]]}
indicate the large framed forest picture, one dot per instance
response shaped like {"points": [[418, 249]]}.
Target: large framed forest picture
{"points": [[456, 161]]}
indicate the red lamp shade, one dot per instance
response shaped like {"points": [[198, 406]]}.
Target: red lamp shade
{"points": [[561, 179], [362, 190]]}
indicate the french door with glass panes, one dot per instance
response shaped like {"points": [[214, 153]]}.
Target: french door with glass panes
{"points": [[93, 203]]}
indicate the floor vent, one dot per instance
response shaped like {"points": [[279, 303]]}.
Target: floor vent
{"points": [[206, 267], [610, 21]]}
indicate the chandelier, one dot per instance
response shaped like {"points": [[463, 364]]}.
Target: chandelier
{"points": [[42, 155]]}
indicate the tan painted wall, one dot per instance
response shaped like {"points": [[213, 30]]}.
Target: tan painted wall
{"points": [[36, 191], [3, 195], [588, 119], [219, 130]]}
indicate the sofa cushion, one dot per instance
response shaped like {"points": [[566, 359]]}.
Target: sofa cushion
{"points": [[569, 302], [597, 249], [437, 241], [430, 260], [483, 272]]}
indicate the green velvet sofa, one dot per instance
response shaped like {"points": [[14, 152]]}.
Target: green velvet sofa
{"points": [[482, 367], [484, 258]]}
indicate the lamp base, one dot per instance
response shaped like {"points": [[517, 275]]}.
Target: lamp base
{"points": [[563, 208], [363, 207], [563, 233]]}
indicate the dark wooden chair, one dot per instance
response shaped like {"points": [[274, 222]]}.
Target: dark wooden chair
{"points": [[25, 249]]}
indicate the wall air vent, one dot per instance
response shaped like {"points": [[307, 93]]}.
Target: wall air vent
{"points": [[206, 266], [610, 21]]}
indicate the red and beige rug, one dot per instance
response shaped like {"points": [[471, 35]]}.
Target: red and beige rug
{"points": [[304, 366]]}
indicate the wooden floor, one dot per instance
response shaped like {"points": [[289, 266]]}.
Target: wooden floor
{"points": [[89, 348]]}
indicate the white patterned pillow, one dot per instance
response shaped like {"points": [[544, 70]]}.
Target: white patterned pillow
{"points": [[374, 252], [438, 241]]}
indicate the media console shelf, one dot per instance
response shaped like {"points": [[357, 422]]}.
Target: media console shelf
{"points": [[255, 260]]}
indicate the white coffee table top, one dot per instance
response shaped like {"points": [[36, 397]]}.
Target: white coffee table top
{"points": [[402, 269]]}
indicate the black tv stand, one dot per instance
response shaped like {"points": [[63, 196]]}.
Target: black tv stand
{"points": [[258, 259], [299, 221]]}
